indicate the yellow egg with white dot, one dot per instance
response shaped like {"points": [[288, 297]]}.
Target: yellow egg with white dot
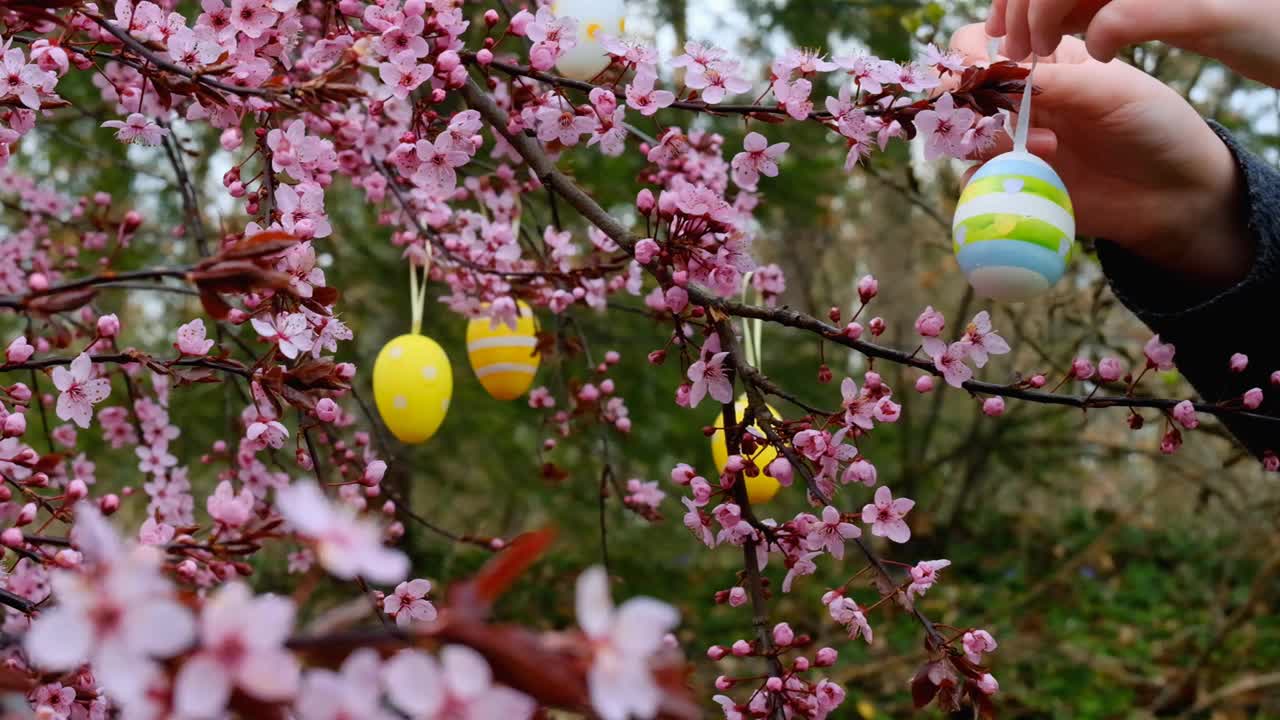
{"points": [[596, 19], [412, 386], [505, 359], [762, 487]]}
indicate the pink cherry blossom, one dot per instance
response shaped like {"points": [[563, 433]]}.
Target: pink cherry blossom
{"points": [[793, 96], [252, 17], [910, 76], [191, 339], [623, 640], [799, 566], [757, 158], [19, 351], [831, 533], [458, 687], [241, 646], [563, 125], [137, 128], [924, 574], [289, 332], [952, 366], [976, 643], [847, 612], [80, 391], [1185, 413], [26, 82], [716, 80], [408, 604], [401, 80], [354, 691], [943, 128], [437, 169], [1159, 354], [885, 515], [229, 508], [119, 617], [642, 96], [948, 61], [1238, 362], [345, 545], [709, 378]]}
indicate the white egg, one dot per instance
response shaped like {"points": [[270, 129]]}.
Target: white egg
{"points": [[596, 19]]}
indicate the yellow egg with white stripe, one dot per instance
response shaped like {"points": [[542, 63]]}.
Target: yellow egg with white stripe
{"points": [[596, 18], [504, 359], [412, 386]]}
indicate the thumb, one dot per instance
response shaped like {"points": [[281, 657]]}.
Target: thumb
{"points": [[1122, 23]]}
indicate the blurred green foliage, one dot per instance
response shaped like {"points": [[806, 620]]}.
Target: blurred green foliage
{"points": [[1103, 607]]}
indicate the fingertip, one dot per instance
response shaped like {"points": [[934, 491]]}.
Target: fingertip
{"points": [[1043, 143], [995, 19], [1045, 44]]}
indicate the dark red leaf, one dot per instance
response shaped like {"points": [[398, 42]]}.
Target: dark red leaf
{"points": [[922, 688]]}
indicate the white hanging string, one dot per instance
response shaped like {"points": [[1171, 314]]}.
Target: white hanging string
{"points": [[752, 328], [1024, 112], [1023, 126], [418, 291]]}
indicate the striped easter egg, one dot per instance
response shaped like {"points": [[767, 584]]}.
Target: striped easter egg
{"points": [[1014, 228], [503, 359]]}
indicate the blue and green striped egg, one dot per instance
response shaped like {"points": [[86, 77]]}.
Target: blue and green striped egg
{"points": [[1014, 228]]}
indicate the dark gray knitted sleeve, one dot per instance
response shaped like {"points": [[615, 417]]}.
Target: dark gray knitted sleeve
{"points": [[1208, 326]]}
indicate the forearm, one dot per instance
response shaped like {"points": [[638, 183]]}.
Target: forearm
{"points": [[1208, 322]]}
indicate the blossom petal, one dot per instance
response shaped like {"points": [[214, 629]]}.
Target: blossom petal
{"points": [[592, 603]]}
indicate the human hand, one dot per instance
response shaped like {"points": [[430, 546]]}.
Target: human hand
{"points": [[1243, 34], [1143, 168]]}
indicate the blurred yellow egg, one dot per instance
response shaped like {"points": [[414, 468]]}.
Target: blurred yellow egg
{"points": [[412, 385], [596, 18], [504, 360], [760, 488]]}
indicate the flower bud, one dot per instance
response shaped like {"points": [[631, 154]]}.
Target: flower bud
{"points": [[15, 425], [373, 473], [1081, 369], [993, 406], [868, 287], [1110, 369], [1253, 398], [783, 634], [108, 504], [108, 326], [77, 490], [327, 410]]}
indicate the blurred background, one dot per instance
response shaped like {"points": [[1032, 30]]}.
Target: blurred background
{"points": [[1119, 582]]}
